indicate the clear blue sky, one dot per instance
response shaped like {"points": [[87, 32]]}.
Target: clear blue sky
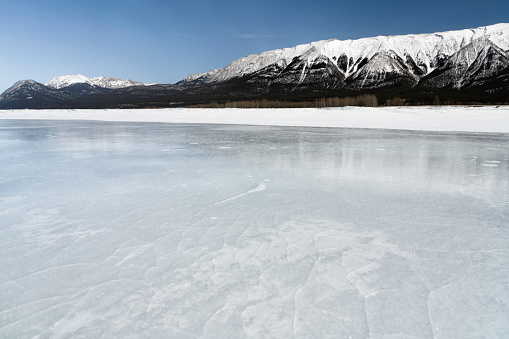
{"points": [[164, 41]]}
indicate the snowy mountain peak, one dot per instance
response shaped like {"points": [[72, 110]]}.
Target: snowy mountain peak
{"points": [[423, 52], [66, 80], [104, 82]]}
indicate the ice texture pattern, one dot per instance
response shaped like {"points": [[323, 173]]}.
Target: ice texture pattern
{"points": [[151, 230]]}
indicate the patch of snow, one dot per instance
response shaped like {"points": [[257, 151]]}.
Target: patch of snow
{"points": [[442, 118]]}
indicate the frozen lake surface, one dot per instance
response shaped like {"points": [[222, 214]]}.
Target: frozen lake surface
{"points": [[118, 229]]}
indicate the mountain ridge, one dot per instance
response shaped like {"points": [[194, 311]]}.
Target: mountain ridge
{"points": [[104, 82], [424, 49]]}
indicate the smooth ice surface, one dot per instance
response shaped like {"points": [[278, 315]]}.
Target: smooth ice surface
{"points": [[114, 229]]}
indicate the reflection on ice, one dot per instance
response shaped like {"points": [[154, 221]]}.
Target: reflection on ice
{"points": [[154, 230]]}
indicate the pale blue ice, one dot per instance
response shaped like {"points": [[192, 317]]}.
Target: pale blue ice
{"points": [[148, 230]]}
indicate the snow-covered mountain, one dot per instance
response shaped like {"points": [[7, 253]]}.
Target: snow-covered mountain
{"points": [[373, 62], [67, 88], [104, 82]]}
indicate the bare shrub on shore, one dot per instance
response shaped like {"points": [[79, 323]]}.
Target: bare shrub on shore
{"points": [[367, 100]]}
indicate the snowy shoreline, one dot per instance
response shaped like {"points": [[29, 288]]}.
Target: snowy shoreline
{"points": [[487, 119]]}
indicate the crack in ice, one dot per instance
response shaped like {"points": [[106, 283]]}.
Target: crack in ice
{"points": [[261, 186]]}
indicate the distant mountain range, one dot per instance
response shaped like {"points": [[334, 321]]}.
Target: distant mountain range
{"points": [[469, 65], [110, 83]]}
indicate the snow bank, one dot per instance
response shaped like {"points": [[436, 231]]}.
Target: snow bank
{"points": [[493, 119]]}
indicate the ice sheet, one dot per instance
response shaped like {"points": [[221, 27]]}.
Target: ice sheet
{"points": [[174, 230]]}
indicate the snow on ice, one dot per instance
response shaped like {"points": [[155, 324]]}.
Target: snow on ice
{"points": [[453, 118]]}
